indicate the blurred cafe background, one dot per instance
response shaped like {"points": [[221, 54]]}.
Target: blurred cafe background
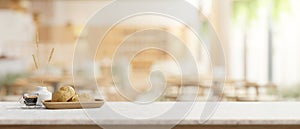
{"points": [[260, 39]]}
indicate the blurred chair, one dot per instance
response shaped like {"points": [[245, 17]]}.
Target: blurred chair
{"points": [[175, 89], [242, 91]]}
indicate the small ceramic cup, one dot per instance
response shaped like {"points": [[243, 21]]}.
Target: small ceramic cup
{"points": [[29, 99]]}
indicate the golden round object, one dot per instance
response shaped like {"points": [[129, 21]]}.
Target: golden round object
{"points": [[64, 94]]}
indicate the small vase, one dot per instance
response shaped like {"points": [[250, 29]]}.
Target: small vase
{"points": [[43, 94]]}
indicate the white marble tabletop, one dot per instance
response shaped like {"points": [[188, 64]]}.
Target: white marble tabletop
{"points": [[233, 113]]}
